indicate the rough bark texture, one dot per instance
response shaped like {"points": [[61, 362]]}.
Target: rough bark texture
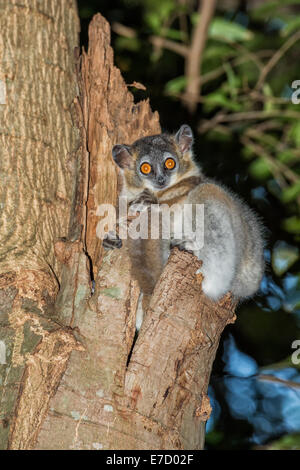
{"points": [[73, 377], [38, 143], [111, 117], [167, 377]]}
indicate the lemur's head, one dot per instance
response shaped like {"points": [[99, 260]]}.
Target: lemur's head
{"points": [[157, 161]]}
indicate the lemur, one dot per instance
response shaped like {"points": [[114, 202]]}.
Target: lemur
{"points": [[160, 169]]}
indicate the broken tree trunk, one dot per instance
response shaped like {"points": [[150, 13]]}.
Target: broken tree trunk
{"points": [[73, 378]]}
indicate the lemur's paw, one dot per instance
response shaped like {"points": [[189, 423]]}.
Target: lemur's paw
{"points": [[111, 241], [143, 201]]}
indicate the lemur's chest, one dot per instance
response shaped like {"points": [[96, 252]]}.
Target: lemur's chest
{"points": [[174, 207], [178, 193]]}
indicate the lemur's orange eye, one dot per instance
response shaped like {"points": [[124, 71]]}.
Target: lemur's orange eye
{"points": [[170, 163], [146, 168]]}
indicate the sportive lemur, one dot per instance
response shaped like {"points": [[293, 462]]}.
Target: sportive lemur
{"points": [[161, 169]]}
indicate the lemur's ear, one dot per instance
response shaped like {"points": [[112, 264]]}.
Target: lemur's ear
{"points": [[122, 156], [184, 137]]}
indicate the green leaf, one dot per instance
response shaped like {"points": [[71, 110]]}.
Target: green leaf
{"points": [[157, 12], [287, 156], [154, 21], [291, 193], [219, 133], [219, 99], [283, 257], [222, 29], [268, 105], [247, 153], [289, 442], [228, 31], [194, 17], [294, 133], [173, 34], [130, 44], [290, 27], [217, 51], [260, 169], [233, 80], [292, 224], [176, 85]]}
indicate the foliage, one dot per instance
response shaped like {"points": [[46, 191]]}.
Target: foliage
{"points": [[289, 442]]}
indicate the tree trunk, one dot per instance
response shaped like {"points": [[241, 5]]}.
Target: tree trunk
{"points": [[72, 376], [39, 168]]}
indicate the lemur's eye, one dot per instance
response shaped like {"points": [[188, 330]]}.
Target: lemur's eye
{"points": [[146, 168], [170, 163]]}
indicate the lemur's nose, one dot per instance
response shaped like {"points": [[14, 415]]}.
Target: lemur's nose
{"points": [[161, 179]]}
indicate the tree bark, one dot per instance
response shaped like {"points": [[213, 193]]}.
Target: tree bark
{"points": [[39, 145], [73, 378]]}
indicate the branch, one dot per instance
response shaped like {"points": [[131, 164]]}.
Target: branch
{"points": [[157, 41], [271, 378], [168, 373], [276, 57], [193, 63], [123, 30], [173, 46], [279, 167], [206, 125]]}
